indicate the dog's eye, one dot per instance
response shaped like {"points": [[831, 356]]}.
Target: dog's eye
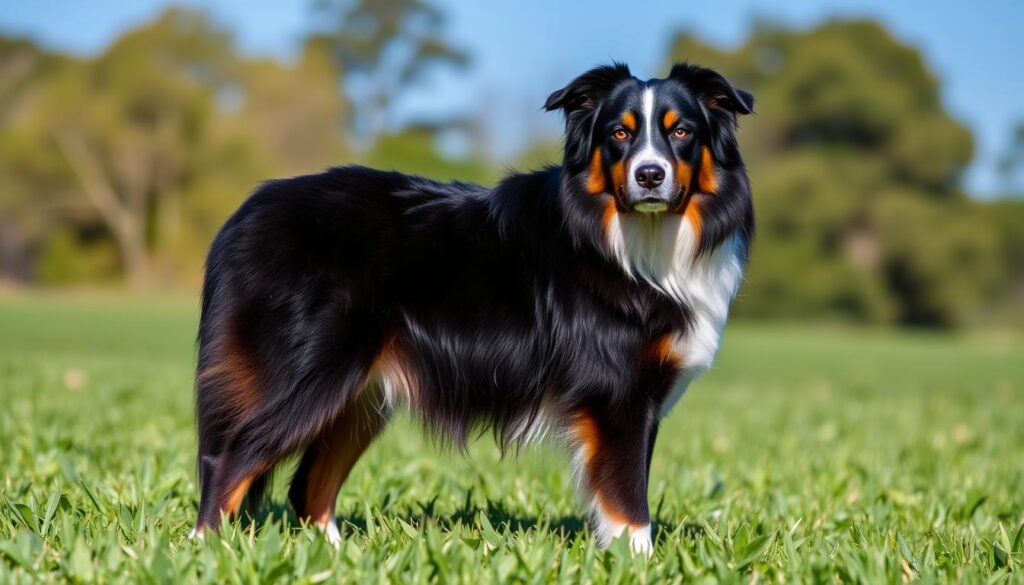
{"points": [[680, 133], [620, 134]]}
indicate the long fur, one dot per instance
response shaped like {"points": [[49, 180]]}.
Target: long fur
{"points": [[534, 304]]}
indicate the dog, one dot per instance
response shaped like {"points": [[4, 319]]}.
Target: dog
{"points": [[582, 299]]}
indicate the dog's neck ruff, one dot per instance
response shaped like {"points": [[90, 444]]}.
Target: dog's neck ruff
{"points": [[664, 251]]}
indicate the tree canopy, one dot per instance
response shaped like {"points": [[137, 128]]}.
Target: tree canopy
{"points": [[856, 167], [122, 166]]}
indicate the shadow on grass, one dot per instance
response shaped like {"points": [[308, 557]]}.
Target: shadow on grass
{"points": [[499, 516], [567, 527]]}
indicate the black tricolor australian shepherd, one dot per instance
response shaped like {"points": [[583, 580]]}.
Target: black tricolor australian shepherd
{"points": [[582, 299]]}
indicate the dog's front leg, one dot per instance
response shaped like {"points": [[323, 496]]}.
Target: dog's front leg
{"points": [[613, 447]]}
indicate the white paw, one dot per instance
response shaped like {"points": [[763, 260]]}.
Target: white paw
{"points": [[640, 540], [331, 532], [639, 537], [195, 534]]}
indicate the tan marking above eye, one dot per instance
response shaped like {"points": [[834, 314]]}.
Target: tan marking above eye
{"points": [[671, 117], [629, 121]]}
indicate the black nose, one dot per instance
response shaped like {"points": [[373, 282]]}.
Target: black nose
{"points": [[650, 176]]}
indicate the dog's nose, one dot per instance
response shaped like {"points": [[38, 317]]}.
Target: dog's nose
{"points": [[650, 176]]}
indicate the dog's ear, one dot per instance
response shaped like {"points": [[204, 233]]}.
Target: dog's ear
{"points": [[714, 90], [584, 92], [722, 103], [579, 101]]}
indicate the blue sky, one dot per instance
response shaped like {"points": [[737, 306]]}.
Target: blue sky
{"points": [[522, 50]]}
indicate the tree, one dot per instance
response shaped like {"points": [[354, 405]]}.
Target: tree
{"points": [[274, 120], [127, 163], [24, 170], [294, 113], [856, 169], [127, 128], [412, 151], [384, 47]]}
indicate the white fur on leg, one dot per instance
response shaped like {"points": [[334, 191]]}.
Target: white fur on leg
{"points": [[331, 532], [607, 530], [195, 534]]}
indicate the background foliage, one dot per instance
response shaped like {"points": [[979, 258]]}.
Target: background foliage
{"points": [[857, 170], [119, 168]]}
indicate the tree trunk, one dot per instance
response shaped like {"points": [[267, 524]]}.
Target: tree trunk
{"points": [[123, 216], [135, 261]]}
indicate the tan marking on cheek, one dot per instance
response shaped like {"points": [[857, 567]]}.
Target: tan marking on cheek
{"points": [[619, 177], [670, 119], [693, 214], [610, 213], [684, 176], [629, 121], [707, 180], [595, 176]]}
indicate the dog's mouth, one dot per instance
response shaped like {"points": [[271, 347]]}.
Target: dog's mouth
{"points": [[650, 206], [660, 203]]}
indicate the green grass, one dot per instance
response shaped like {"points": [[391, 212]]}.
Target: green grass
{"points": [[806, 454]]}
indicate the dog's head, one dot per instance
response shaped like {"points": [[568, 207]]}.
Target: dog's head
{"points": [[649, 144]]}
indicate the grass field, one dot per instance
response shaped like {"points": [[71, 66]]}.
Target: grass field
{"points": [[806, 455]]}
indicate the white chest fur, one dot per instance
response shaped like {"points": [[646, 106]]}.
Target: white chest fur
{"points": [[662, 250]]}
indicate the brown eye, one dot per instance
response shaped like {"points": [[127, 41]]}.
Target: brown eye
{"points": [[620, 134], [680, 133]]}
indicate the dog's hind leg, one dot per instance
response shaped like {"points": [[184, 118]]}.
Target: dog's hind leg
{"points": [[229, 388], [283, 420], [226, 485], [255, 448], [329, 459]]}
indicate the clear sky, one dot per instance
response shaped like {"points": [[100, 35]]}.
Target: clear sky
{"points": [[524, 49]]}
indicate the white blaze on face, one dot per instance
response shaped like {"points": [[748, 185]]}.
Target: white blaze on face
{"points": [[648, 155]]}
